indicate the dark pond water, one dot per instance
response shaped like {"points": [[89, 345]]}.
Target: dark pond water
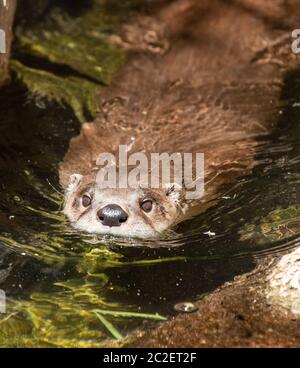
{"points": [[55, 278]]}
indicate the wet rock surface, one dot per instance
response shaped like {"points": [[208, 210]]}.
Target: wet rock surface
{"points": [[284, 283], [62, 52], [236, 315]]}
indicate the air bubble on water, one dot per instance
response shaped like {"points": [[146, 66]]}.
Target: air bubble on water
{"points": [[185, 307]]}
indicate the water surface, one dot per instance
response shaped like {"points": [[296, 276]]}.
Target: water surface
{"points": [[55, 278]]}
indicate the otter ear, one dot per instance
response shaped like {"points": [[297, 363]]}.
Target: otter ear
{"points": [[74, 182], [174, 191]]}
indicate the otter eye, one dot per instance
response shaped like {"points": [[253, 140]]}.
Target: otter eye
{"points": [[86, 200], [147, 205]]}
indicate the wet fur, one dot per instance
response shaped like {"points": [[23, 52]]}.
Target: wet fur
{"points": [[201, 76]]}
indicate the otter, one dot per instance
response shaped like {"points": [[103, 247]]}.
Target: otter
{"points": [[200, 76]]}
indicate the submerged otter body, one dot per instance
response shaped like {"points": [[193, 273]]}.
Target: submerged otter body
{"points": [[200, 77]]}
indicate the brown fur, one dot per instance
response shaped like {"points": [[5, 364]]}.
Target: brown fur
{"points": [[201, 76]]}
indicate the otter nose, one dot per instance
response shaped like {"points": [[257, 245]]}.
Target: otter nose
{"points": [[112, 215]]}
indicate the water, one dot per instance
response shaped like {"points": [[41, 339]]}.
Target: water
{"points": [[55, 278]]}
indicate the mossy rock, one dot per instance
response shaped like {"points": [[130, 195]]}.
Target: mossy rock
{"points": [[78, 93], [67, 58], [278, 224]]}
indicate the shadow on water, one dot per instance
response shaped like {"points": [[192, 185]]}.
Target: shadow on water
{"points": [[55, 278]]}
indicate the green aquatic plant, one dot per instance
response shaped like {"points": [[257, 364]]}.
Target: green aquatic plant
{"points": [[68, 312], [67, 315], [63, 316], [155, 316], [114, 332], [100, 258]]}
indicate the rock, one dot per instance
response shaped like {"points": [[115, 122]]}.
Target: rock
{"points": [[236, 315], [64, 53], [258, 309], [284, 283]]}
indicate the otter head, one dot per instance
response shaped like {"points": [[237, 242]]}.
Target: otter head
{"points": [[137, 212]]}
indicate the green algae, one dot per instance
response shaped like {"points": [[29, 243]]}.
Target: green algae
{"points": [[67, 313], [62, 317], [68, 316], [42, 324], [68, 58], [78, 93], [278, 224]]}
